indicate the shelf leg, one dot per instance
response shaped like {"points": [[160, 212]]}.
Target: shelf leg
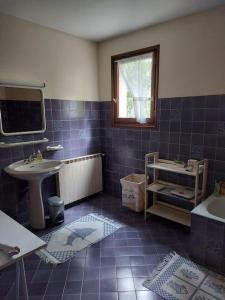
{"points": [[17, 280], [24, 280]]}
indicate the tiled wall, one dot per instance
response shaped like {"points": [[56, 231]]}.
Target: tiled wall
{"points": [[73, 124], [192, 127], [209, 236]]}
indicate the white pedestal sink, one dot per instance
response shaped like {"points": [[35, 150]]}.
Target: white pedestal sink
{"points": [[34, 172]]}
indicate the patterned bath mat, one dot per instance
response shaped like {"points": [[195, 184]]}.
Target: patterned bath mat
{"points": [[64, 243], [178, 278]]}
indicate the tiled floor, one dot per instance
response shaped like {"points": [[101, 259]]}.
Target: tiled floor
{"points": [[113, 269]]}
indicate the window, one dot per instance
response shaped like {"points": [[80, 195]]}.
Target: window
{"points": [[135, 87]]}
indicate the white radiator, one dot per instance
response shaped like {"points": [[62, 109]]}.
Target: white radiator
{"points": [[80, 177]]}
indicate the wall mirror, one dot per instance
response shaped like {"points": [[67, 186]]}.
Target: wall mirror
{"points": [[21, 110]]}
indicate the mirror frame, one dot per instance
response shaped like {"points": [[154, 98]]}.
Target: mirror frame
{"points": [[42, 113]]}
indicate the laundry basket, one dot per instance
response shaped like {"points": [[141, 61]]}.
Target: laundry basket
{"points": [[133, 191]]}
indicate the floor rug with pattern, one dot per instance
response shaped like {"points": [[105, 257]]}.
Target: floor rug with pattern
{"points": [[179, 278], [65, 242]]}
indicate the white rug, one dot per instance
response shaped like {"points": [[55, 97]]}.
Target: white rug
{"points": [[65, 242], [178, 278]]}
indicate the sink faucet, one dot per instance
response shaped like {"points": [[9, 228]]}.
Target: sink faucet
{"points": [[30, 158]]}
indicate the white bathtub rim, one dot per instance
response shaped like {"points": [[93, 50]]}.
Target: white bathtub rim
{"points": [[202, 209]]}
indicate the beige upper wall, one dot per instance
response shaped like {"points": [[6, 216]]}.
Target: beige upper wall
{"points": [[192, 59], [192, 55], [33, 53]]}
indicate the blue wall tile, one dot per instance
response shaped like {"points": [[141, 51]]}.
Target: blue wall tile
{"points": [[65, 120], [190, 127], [209, 236]]}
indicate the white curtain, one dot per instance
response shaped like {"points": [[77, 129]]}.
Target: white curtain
{"points": [[136, 72]]}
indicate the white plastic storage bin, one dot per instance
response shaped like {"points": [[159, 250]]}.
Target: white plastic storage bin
{"points": [[133, 191]]}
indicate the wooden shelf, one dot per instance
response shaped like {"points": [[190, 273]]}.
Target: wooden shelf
{"points": [[165, 188], [172, 214], [172, 167], [177, 210]]}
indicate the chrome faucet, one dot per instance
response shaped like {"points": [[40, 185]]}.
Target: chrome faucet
{"points": [[30, 158]]}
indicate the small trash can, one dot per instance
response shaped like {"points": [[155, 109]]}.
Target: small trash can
{"points": [[133, 191], [56, 209]]}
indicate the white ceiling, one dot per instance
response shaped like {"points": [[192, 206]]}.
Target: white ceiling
{"points": [[102, 19]]}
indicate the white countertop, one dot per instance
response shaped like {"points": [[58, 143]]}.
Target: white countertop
{"points": [[14, 234]]}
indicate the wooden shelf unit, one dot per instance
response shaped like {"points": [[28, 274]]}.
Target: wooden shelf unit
{"points": [[172, 211], [170, 166], [170, 214]]}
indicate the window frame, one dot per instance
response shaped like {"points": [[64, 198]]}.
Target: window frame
{"points": [[131, 122]]}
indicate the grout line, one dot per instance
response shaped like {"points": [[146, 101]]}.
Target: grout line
{"points": [[66, 279], [100, 267], [47, 281], [82, 281]]}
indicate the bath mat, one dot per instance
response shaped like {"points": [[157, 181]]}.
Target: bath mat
{"points": [[178, 278], [65, 242]]}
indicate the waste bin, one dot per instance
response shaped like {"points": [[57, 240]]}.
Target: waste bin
{"points": [[56, 209], [133, 191]]}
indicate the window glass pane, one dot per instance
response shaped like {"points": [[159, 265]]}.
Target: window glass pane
{"points": [[135, 83]]}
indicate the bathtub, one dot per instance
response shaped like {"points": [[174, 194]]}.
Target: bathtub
{"points": [[207, 238], [212, 208]]}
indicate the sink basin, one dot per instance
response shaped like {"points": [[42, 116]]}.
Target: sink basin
{"points": [[34, 172]]}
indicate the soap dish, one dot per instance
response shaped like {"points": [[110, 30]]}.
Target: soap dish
{"points": [[54, 148]]}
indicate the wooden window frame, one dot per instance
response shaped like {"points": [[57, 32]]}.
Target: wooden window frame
{"points": [[131, 122]]}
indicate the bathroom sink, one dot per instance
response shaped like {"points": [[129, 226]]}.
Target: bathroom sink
{"points": [[34, 170]]}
